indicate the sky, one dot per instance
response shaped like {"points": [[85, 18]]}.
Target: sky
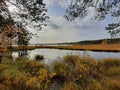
{"points": [[58, 29]]}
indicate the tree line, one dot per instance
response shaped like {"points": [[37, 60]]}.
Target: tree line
{"points": [[101, 41]]}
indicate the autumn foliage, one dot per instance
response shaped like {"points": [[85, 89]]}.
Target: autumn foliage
{"points": [[71, 72]]}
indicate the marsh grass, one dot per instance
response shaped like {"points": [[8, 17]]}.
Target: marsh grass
{"points": [[93, 47], [72, 72]]}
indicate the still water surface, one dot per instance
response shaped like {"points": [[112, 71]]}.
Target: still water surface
{"points": [[52, 54]]}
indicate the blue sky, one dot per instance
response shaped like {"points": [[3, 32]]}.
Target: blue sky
{"points": [[60, 30]]}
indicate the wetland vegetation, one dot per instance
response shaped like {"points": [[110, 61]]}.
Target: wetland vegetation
{"points": [[67, 73]]}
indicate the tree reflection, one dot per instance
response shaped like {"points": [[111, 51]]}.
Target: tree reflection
{"points": [[22, 53], [9, 54]]}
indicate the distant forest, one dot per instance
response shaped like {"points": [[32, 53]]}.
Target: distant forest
{"points": [[88, 42], [101, 41]]}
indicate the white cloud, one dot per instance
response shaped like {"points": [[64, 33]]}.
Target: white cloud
{"points": [[49, 2], [62, 3], [60, 30], [69, 32]]}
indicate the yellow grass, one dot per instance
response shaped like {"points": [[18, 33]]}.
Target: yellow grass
{"points": [[71, 72], [99, 47]]}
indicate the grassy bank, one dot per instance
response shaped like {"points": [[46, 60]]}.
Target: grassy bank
{"points": [[71, 72], [93, 47]]}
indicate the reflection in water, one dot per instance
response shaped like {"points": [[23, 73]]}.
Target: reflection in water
{"points": [[52, 54], [21, 53]]}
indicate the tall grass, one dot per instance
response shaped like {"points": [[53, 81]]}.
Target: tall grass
{"points": [[95, 47], [71, 72]]}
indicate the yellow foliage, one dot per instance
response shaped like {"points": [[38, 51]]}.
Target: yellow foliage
{"points": [[7, 82], [34, 64], [79, 74], [52, 74], [43, 74], [70, 86], [32, 81], [95, 85], [81, 68]]}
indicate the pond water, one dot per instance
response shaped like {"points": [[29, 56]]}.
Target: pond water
{"points": [[52, 54]]}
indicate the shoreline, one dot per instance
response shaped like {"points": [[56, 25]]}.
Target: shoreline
{"points": [[99, 47]]}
